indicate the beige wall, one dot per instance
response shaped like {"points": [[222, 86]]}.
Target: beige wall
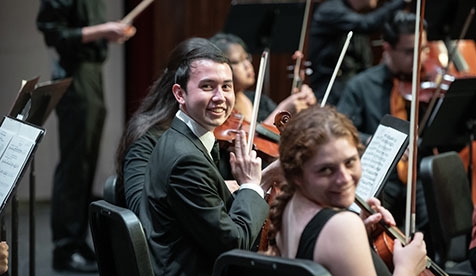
{"points": [[23, 55]]}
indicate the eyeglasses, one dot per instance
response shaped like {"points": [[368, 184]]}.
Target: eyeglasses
{"points": [[409, 51], [248, 58]]}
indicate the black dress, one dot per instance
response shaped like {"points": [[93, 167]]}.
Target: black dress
{"points": [[312, 231]]}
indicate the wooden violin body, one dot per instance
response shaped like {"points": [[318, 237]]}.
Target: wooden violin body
{"points": [[383, 244], [265, 143]]}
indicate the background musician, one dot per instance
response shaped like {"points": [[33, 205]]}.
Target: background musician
{"points": [[244, 78], [330, 23], [79, 33], [375, 92]]}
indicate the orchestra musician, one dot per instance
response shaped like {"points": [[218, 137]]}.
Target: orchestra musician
{"points": [[320, 157], [244, 78], [331, 21], [147, 124], [79, 33], [377, 91], [188, 214]]}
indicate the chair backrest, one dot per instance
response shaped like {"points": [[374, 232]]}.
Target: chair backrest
{"points": [[449, 203], [239, 262], [119, 241], [109, 191]]}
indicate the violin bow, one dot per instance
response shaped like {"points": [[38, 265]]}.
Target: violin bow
{"points": [[129, 18], [297, 81], [259, 88], [412, 168], [336, 69]]}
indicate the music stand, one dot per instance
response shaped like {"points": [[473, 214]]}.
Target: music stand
{"points": [[446, 19], [449, 122], [33, 105], [18, 142], [452, 120], [271, 25]]}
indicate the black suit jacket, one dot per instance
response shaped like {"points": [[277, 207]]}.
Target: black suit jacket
{"points": [[188, 213]]}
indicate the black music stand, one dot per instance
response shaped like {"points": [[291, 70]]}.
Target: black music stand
{"points": [[19, 140], [446, 19], [275, 26], [453, 119], [33, 105]]}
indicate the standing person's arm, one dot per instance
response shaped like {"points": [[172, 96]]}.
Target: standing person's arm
{"points": [[111, 31], [66, 28]]}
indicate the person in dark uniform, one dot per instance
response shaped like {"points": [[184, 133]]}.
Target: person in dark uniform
{"points": [[331, 21], [188, 213], [376, 92], [77, 30]]}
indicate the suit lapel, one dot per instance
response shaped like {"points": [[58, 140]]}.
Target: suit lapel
{"points": [[182, 128]]}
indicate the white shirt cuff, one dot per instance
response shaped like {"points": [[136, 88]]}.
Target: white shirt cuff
{"points": [[254, 187]]}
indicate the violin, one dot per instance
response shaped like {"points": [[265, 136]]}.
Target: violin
{"points": [[433, 76], [297, 80], [434, 83], [383, 244], [280, 121], [265, 143]]}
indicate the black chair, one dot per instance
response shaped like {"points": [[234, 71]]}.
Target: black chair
{"points": [[449, 203], [109, 191], [119, 241], [239, 262]]}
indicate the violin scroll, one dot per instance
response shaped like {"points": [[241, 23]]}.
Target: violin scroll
{"points": [[281, 119]]}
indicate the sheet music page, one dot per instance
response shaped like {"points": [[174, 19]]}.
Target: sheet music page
{"points": [[5, 138], [17, 140], [377, 159]]}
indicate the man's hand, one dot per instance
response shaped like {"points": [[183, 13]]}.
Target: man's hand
{"points": [[246, 167]]}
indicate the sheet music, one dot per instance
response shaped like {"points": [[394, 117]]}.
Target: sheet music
{"points": [[377, 159], [17, 141]]}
